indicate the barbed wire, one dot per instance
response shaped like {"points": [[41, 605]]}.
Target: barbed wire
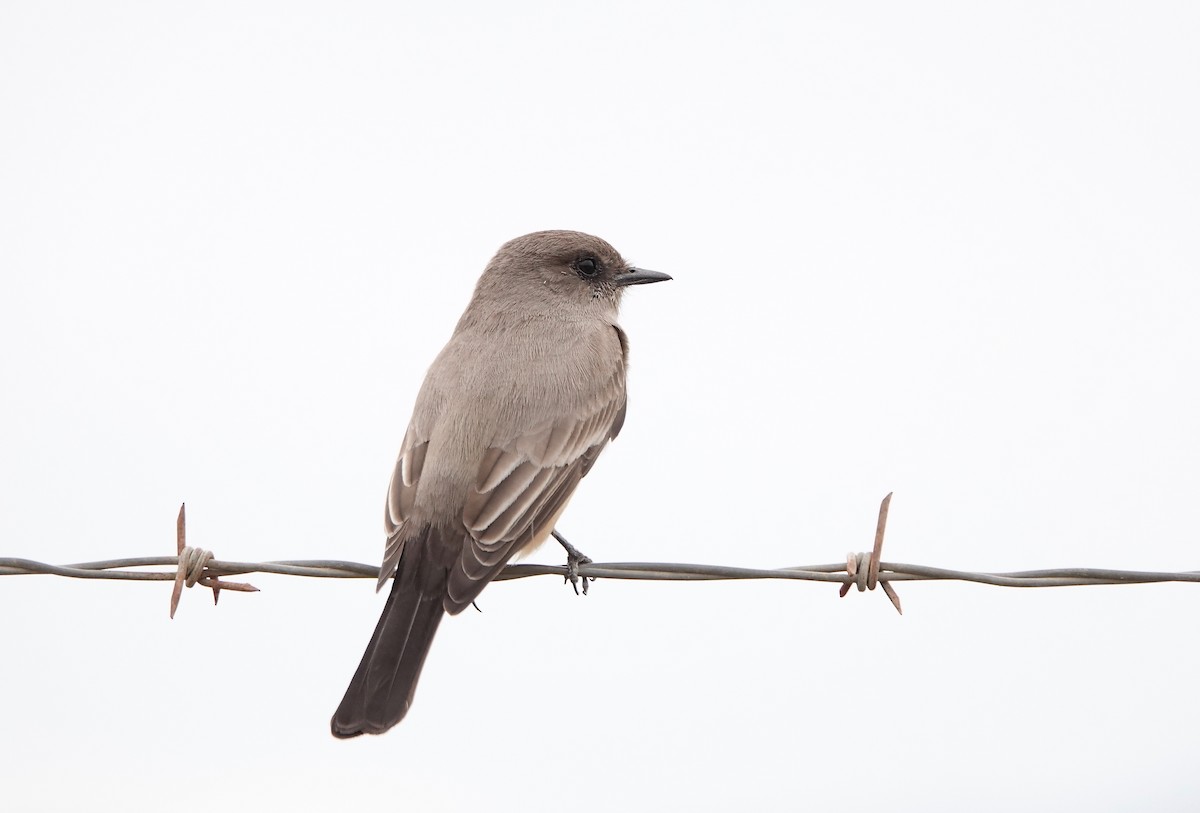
{"points": [[862, 570]]}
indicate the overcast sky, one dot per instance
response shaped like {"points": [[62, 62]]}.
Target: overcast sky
{"points": [[943, 249]]}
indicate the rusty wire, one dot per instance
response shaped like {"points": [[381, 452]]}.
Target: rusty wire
{"points": [[861, 570]]}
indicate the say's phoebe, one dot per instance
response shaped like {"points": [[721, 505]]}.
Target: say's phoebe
{"points": [[513, 413]]}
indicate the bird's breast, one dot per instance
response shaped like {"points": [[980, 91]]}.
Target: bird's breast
{"points": [[487, 388]]}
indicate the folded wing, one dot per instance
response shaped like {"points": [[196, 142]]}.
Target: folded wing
{"points": [[525, 482]]}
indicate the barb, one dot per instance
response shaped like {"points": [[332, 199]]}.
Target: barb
{"points": [[193, 567], [862, 570]]}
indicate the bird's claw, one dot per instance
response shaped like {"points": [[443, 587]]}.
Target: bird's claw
{"points": [[573, 576], [574, 560]]}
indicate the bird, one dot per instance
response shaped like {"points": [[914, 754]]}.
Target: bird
{"points": [[512, 414]]}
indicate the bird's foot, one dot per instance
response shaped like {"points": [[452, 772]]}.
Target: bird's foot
{"points": [[574, 560]]}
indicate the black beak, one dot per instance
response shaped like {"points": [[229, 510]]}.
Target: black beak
{"points": [[639, 276]]}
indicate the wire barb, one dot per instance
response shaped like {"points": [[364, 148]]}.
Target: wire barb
{"points": [[192, 567], [863, 568]]}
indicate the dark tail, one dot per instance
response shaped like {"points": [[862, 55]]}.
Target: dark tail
{"points": [[382, 688]]}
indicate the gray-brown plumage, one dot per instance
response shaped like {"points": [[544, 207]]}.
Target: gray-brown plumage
{"points": [[512, 414]]}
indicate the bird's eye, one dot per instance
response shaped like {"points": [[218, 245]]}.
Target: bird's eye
{"points": [[587, 267]]}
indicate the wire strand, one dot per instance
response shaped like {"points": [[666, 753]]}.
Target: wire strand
{"points": [[638, 571], [192, 566]]}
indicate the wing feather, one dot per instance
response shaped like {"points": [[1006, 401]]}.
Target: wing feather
{"points": [[497, 464], [503, 526]]}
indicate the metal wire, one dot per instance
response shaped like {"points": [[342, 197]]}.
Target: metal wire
{"points": [[653, 571], [864, 570]]}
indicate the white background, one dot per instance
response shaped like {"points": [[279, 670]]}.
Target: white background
{"points": [[948, 250]]}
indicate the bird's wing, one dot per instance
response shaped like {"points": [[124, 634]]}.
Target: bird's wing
{"points": [[524, 483]]}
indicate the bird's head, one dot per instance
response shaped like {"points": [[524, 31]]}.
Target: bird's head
{"points": [[576, 272]]}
